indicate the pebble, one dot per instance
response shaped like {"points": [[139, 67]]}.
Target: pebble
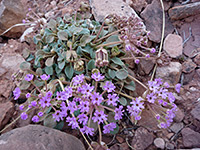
{"points": [[159, 143]]}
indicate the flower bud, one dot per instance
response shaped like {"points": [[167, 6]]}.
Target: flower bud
{"points": [[71, 56], [79, 65], [101, 58]]}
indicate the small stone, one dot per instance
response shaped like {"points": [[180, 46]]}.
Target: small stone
{"points": [[142, 139], [173, 45], [188, 66], [152, 16], [138, 5], [176, 127], [159, 143], [2, 71], [171, 73], [196, 112], [169, 135], [169, 145], [146, 65], [37, 137], [5, 88], [6, 112], [12, 12], [197, 59], [183, 11], [190, 138], [179, 116], [187, 77]]}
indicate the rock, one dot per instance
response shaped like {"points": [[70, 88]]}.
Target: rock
{"points": [[2, 71], [187, 77], [183, 11], [142, 139], [138, 5], [188, 66], [176, 127], [170, 73], [173, 45], [37, 137], [107, 7], [179, 116], [11, 62], [197, 59], [159, 143], [146, 65], [6, 112], [169, 145], [191, 138], [11, 13], [5, 88], [152, 16], [196, 112]]}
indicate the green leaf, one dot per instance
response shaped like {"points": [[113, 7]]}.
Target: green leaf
{"points": [[39, 71], [25, 65], [130, 86], [117, 61], [49, 121], [39, 83], [24, 85], [112, 38], [115, 131], [58, 70], [122, 74], [91, 64], [49, 38], [77, 112], [123, 101], [111, 117], [48, 70], [25, 53], [61, 64], [69, 71], [62, 35], [59, 125], [85, 39], [111, 73], [52, 24], [49, 62], [31, 57]]}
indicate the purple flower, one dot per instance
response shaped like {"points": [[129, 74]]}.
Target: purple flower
{"points": [[151, 97], [78, 79], [34, 103], [21, 107], [87, 130], [99, 116], [84, 106], [137, 117], [162, 125], [86, 89], [153, 86], [166, 85], [57, 115], [16, 93], [97, 76], [137, 104], [113, 99], [28, 95], [147, 56], [24, 116], [40, 114], [178, 87], [157, 116], [96, 98], [82, 118], [163, 93], [137, 61], [153, 50], [119, 113], [109, 127], [72, 107], [109, 86], [128, 47], [45, 77], [49, 94], [171, 97], [35, 119], [45, 102], [63, 109], [72, 122], [29, 77]]}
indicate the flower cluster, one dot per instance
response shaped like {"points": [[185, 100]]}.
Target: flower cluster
{"points": [[159, 100]]}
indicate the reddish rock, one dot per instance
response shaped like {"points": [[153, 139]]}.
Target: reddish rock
{"points": [[152, 16], [138, 5], [197, 59], [170, 73], [183, 11], [11, 13], [36, 137], [196, 112], [187, 77], [5, 88], [173, 45], [188, 66], [179, 116], [146, 65], [142, 139], [191, 139], [6, 112]]}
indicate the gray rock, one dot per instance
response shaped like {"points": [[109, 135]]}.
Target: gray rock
{"points": [[188, 66], [179, 116], [173, 45], [36, 137], [11, 13], [146, 65], [142, 139], [152, 16], [176, 127], [170, 73], [169, 145], [191, 139], [196, 112], [159, 143]]}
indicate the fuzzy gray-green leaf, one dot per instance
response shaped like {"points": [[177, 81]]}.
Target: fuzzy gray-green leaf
{"points": [[122, 74]]}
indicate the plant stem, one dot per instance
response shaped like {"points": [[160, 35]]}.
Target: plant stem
{"points": [[131, 77], [125, 95], [111, 43], [100, 136], [99, 32]]}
